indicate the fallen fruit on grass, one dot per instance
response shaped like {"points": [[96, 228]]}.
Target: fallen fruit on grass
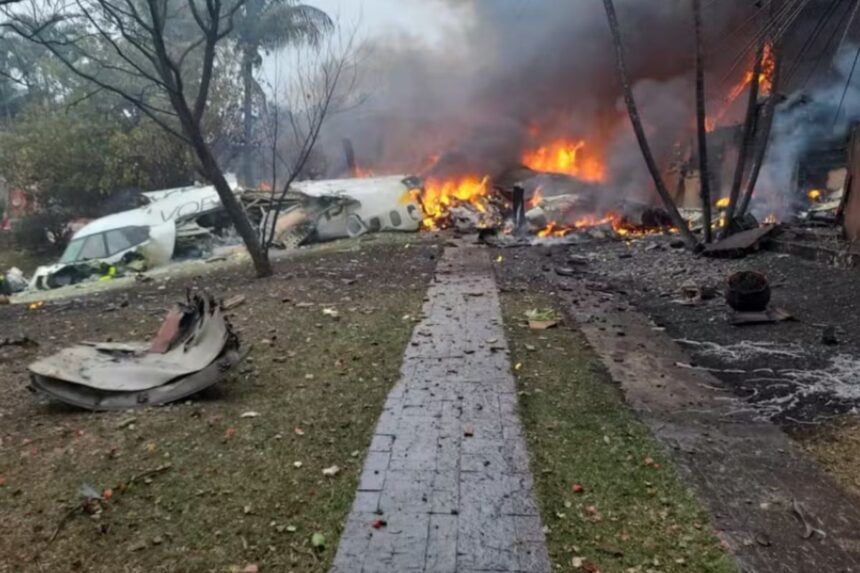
{"points": [[577, 488]]}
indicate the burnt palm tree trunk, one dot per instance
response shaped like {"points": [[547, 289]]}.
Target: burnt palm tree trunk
{"points": [[701, 127], [250, 52], [748, 136], [764, 135], [633, 111]]}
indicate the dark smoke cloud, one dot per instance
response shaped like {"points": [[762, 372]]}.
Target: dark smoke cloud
{"points": [[545, 64]]}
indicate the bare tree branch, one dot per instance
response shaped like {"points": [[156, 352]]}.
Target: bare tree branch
{"points": [[140, 38], [316, 87]]}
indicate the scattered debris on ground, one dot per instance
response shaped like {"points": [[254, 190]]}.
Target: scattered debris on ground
{"points": [[779, 361], [610, 499], [193, 517], [194, 349]]}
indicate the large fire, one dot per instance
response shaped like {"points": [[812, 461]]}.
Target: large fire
{"points": [[610, 219], [438, 196], [568, 157], [765, 86]]}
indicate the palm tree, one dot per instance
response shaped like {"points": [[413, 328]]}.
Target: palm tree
{"points": [[265, 26], [639, 130]]}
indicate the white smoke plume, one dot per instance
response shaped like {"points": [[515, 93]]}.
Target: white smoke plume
{"points": [[807, 120]]}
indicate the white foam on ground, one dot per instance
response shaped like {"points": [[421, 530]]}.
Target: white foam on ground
{"points": [[839, 380]]}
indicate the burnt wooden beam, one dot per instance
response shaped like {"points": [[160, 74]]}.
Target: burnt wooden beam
{"points": [[764, 133]]}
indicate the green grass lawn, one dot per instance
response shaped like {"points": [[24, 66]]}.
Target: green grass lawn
{"points": [[608, 493], [237, 478]]}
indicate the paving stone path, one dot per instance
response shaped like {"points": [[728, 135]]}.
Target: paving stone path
{"points": [[447, 468]]}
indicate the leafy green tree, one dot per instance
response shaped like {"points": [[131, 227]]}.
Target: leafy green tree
{"points": [[170, 49], [73, 161]]}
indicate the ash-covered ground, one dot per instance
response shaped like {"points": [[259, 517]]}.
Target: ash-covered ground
{"points": [[785, 370]]}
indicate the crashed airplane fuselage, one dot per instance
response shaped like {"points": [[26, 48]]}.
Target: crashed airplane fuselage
{"points": [[311, 211], [344, 208], [146, 235]]}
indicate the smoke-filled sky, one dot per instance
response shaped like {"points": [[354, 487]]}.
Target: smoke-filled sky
{"points": [[480, 82], [428, 21]]}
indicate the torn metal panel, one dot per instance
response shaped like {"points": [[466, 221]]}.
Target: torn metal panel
{"points": [[193, 349], [739, 244], [556, 209], [94, 399], [344, 208], [107, 368], [168, 332]]}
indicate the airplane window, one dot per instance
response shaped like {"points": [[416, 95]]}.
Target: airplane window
{"points": [[136, 235], [117, 241], [73, 249], [94, 248]]}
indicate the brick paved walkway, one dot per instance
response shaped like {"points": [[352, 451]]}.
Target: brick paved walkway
{"points": [[447, 468]]}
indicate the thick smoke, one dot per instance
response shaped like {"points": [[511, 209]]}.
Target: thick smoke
{"points": [[523, 73], [805, 121]]}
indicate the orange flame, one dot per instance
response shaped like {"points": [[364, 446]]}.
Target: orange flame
{"points": [[439, 195], [611, 219], [553, 229], [592, 221], [564, 156], [765, 86], [362, 172], [537, 198]]}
